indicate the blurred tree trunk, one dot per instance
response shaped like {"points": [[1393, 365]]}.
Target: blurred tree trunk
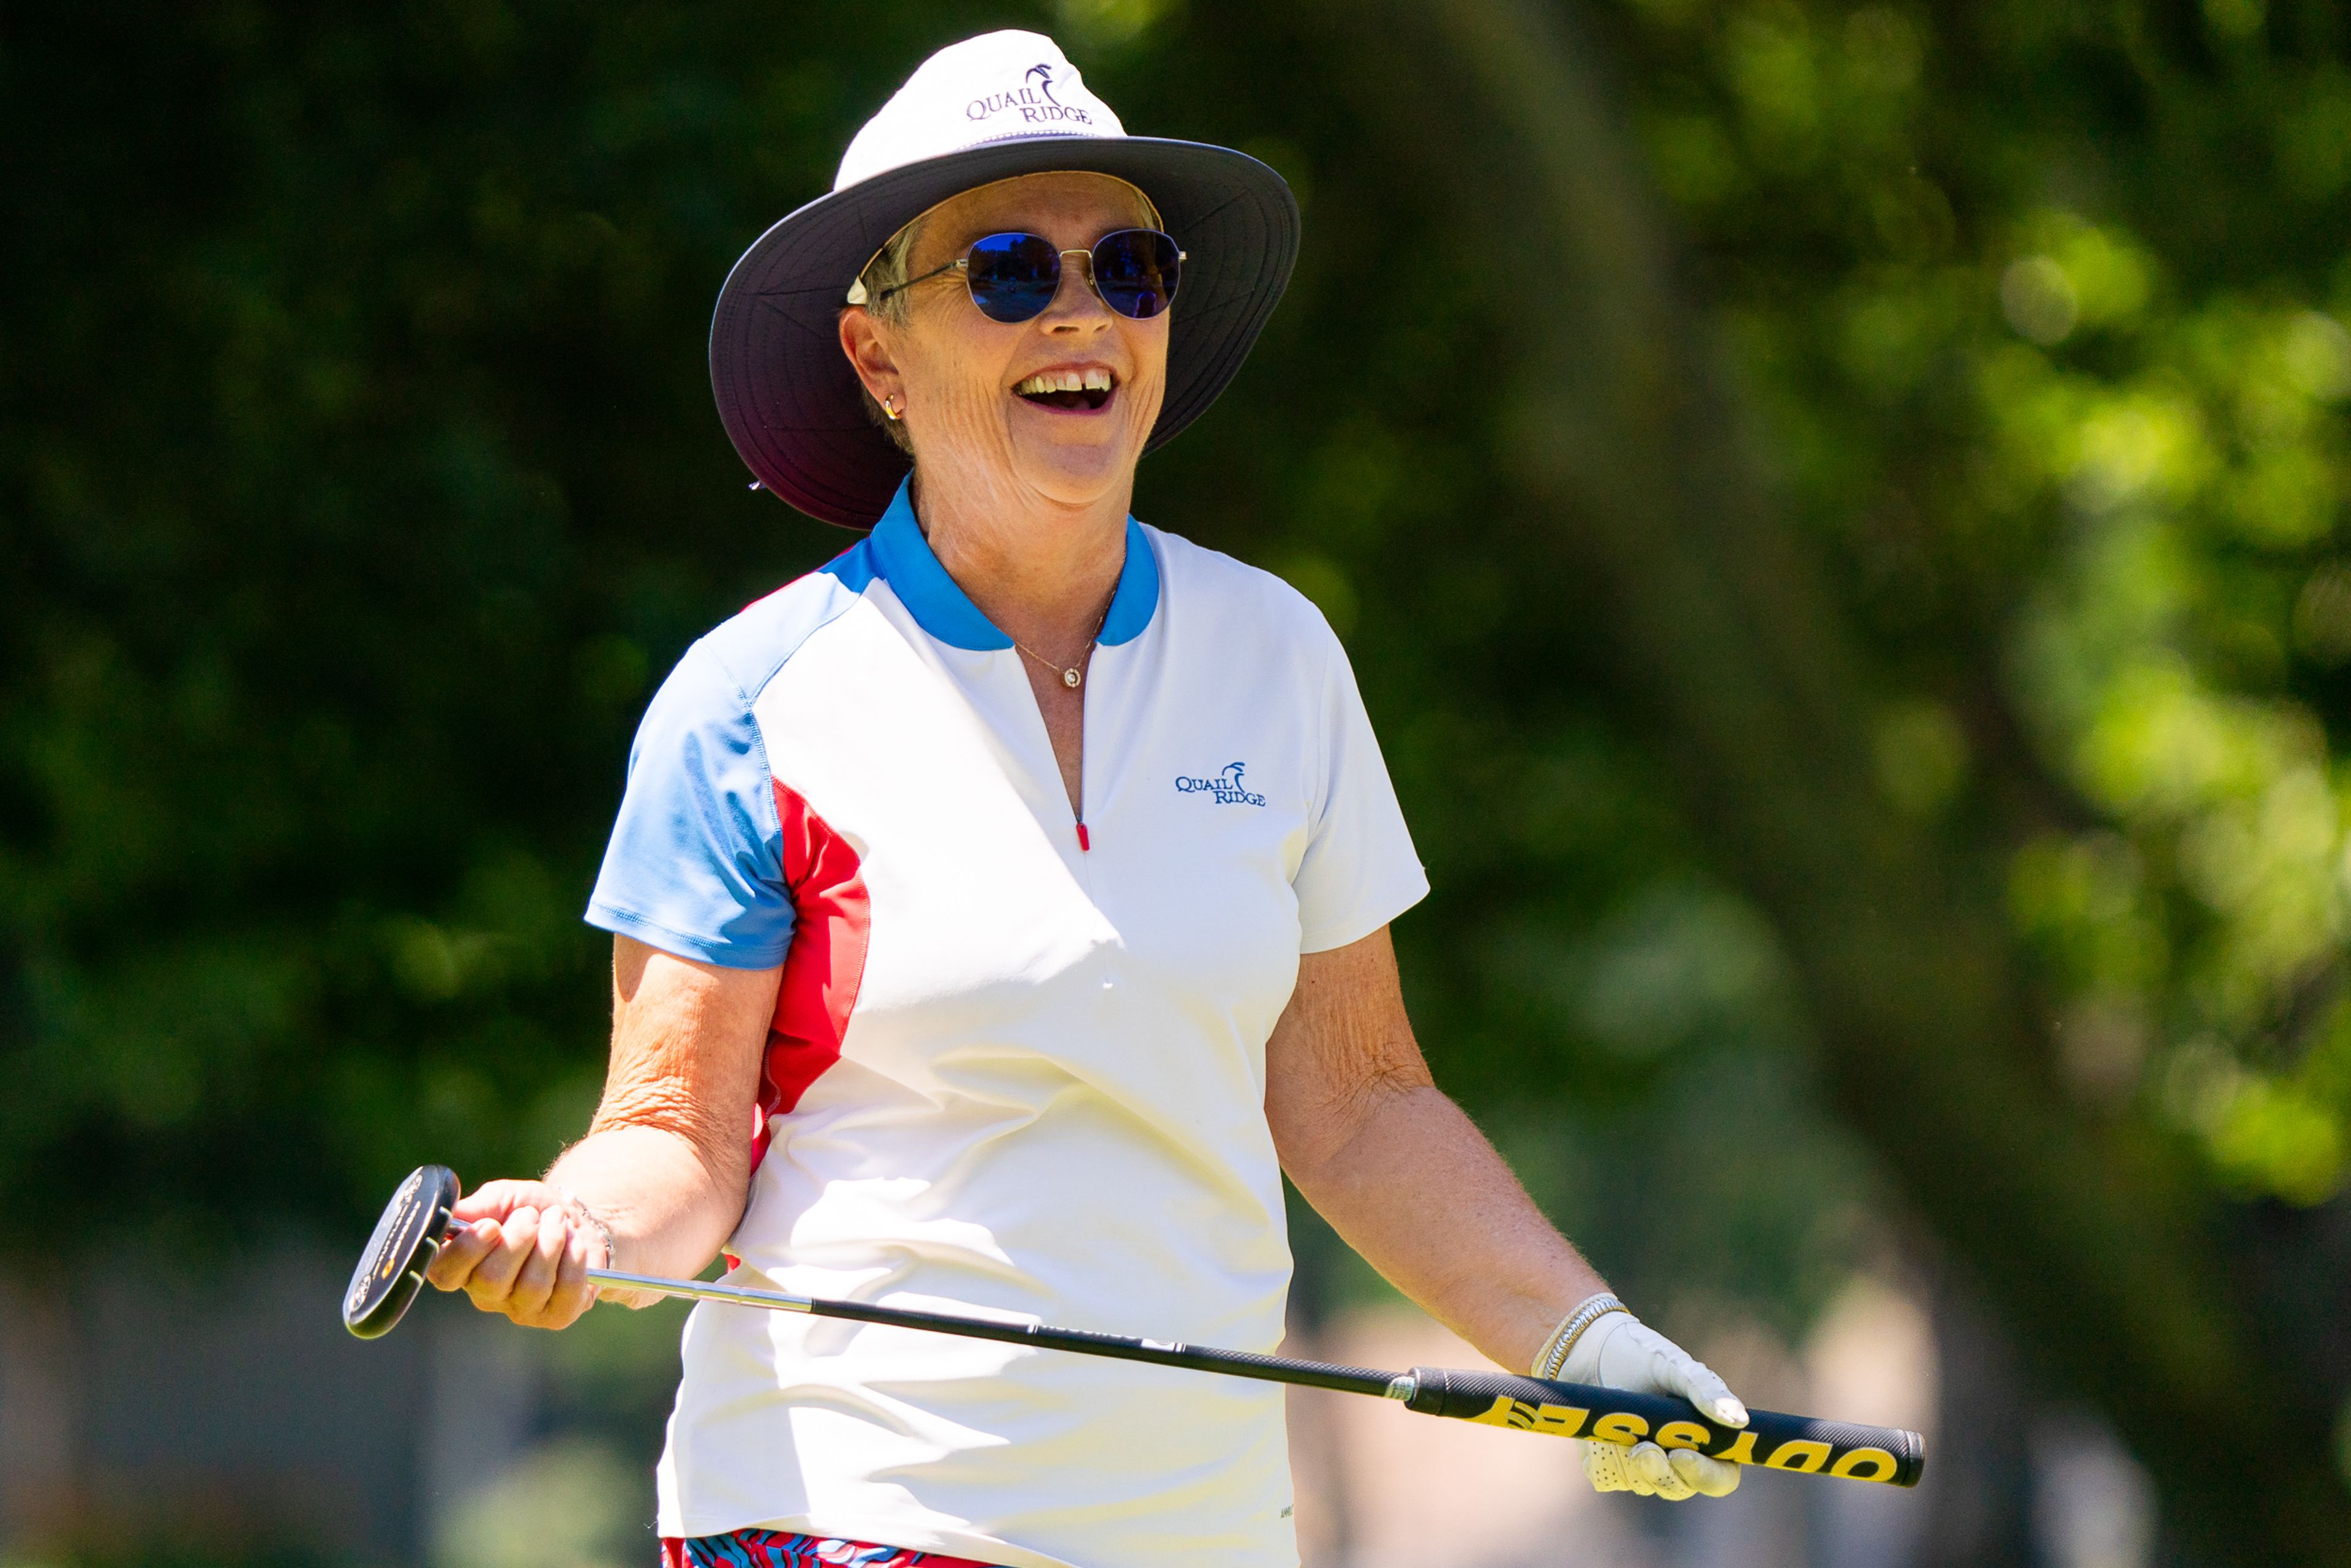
{"points": [[1980, 1501], [2097, 1241]]}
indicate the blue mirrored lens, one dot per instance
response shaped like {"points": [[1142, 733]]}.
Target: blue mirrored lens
{"points": [[1012, 276], [1135, 272]]}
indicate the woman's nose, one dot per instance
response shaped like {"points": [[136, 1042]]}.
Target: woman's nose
{"points": [[1075, 299]]}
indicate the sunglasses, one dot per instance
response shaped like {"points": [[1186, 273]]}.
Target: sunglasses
{"points": [[1013, 277]]}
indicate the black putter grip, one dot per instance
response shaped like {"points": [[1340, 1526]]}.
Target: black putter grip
{"points": [[1773, 1441]]}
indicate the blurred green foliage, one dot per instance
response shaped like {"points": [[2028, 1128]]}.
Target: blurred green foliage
{"points": [[2063, 395], [357, 478], [216, 1556], [571, 1503]]}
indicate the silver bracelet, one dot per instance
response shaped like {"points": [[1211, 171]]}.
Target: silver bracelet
{"points": [[1556, 1349], [579, 1207]]}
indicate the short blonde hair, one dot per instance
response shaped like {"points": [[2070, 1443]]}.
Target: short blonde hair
{"points": [[886, 273], [884, 278]]}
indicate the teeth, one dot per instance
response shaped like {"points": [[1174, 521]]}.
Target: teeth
{"points": [[1092, 379]]}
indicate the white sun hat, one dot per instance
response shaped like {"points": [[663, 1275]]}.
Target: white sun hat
{"points": [[990, 107]]}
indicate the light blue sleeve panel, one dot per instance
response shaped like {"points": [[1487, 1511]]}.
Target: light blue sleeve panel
{"points": [[1359, 871], [695, 866]]}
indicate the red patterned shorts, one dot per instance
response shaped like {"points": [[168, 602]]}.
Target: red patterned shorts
{"points": [[774, 1549]]}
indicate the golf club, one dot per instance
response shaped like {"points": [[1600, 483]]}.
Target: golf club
{"points": [[407, 1237]]}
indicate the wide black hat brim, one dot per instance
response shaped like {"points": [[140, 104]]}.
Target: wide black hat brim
{"points": [[786, 392]]}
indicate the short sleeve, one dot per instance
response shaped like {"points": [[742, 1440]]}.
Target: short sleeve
{"points": [[1359, 871], [695, 866]]}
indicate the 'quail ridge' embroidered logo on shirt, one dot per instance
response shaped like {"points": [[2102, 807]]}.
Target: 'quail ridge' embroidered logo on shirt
{"points": [[1226, 787]]}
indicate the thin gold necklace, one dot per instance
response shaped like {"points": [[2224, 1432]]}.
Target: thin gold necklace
{"points": [[1072, 676]]}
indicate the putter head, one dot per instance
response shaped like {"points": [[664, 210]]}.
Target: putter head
{"points": [[392, 1270]]}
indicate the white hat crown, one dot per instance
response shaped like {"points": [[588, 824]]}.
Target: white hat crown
{"points": [[998, 87]]}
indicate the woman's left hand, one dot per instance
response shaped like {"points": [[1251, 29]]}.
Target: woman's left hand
{"points": [[1620, 1350]]}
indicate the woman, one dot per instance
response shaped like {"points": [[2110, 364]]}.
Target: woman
{"points": [[999, 911]]}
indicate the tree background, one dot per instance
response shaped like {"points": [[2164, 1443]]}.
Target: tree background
{"points": [[1838, 512]]}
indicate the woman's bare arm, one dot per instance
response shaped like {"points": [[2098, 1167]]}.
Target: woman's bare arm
{"points": [[665, 1165], [1403, 1175]]}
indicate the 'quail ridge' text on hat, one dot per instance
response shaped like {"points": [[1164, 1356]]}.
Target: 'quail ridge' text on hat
{"points": [[990, 107]]}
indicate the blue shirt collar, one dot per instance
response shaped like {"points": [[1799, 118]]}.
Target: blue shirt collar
{"points": [[903, 556]]}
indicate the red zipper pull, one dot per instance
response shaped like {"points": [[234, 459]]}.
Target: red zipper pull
{"points": [[1083, 845]]}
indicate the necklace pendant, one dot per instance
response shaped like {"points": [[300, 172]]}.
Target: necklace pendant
{"points": [[1070, 678]]}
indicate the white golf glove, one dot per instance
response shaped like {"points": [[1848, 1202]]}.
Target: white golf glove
{"points": [[1619, 1351]]}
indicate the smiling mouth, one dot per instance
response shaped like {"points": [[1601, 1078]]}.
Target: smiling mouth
{"points": [[1086, 390]]}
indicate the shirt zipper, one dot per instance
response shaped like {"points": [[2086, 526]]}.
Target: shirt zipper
{"points": [[1085, 701], [1085, 844]]}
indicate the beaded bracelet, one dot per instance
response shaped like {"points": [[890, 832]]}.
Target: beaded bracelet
{"points": [[1556, 1349], [573, 1201]]}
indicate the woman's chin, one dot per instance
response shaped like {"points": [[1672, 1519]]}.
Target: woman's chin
{"points": [[1077, 473]]}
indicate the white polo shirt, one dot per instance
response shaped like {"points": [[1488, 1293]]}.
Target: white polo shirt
{"points": [[1018, 1055]]}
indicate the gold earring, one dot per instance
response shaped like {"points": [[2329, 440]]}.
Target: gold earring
{"points": [[890, 407]]}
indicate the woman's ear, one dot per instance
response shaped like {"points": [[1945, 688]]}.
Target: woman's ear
{"points": [[862, 338]]}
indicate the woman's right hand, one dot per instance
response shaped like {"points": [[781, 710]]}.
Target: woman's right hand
{"points": [[522, 1249]]}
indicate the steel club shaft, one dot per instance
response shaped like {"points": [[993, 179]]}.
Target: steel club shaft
{"points": [[1194, 1358]]}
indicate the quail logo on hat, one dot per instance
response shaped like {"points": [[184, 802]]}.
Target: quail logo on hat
{"points": [[1035, 103], [991, 108], [988, 89]]}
